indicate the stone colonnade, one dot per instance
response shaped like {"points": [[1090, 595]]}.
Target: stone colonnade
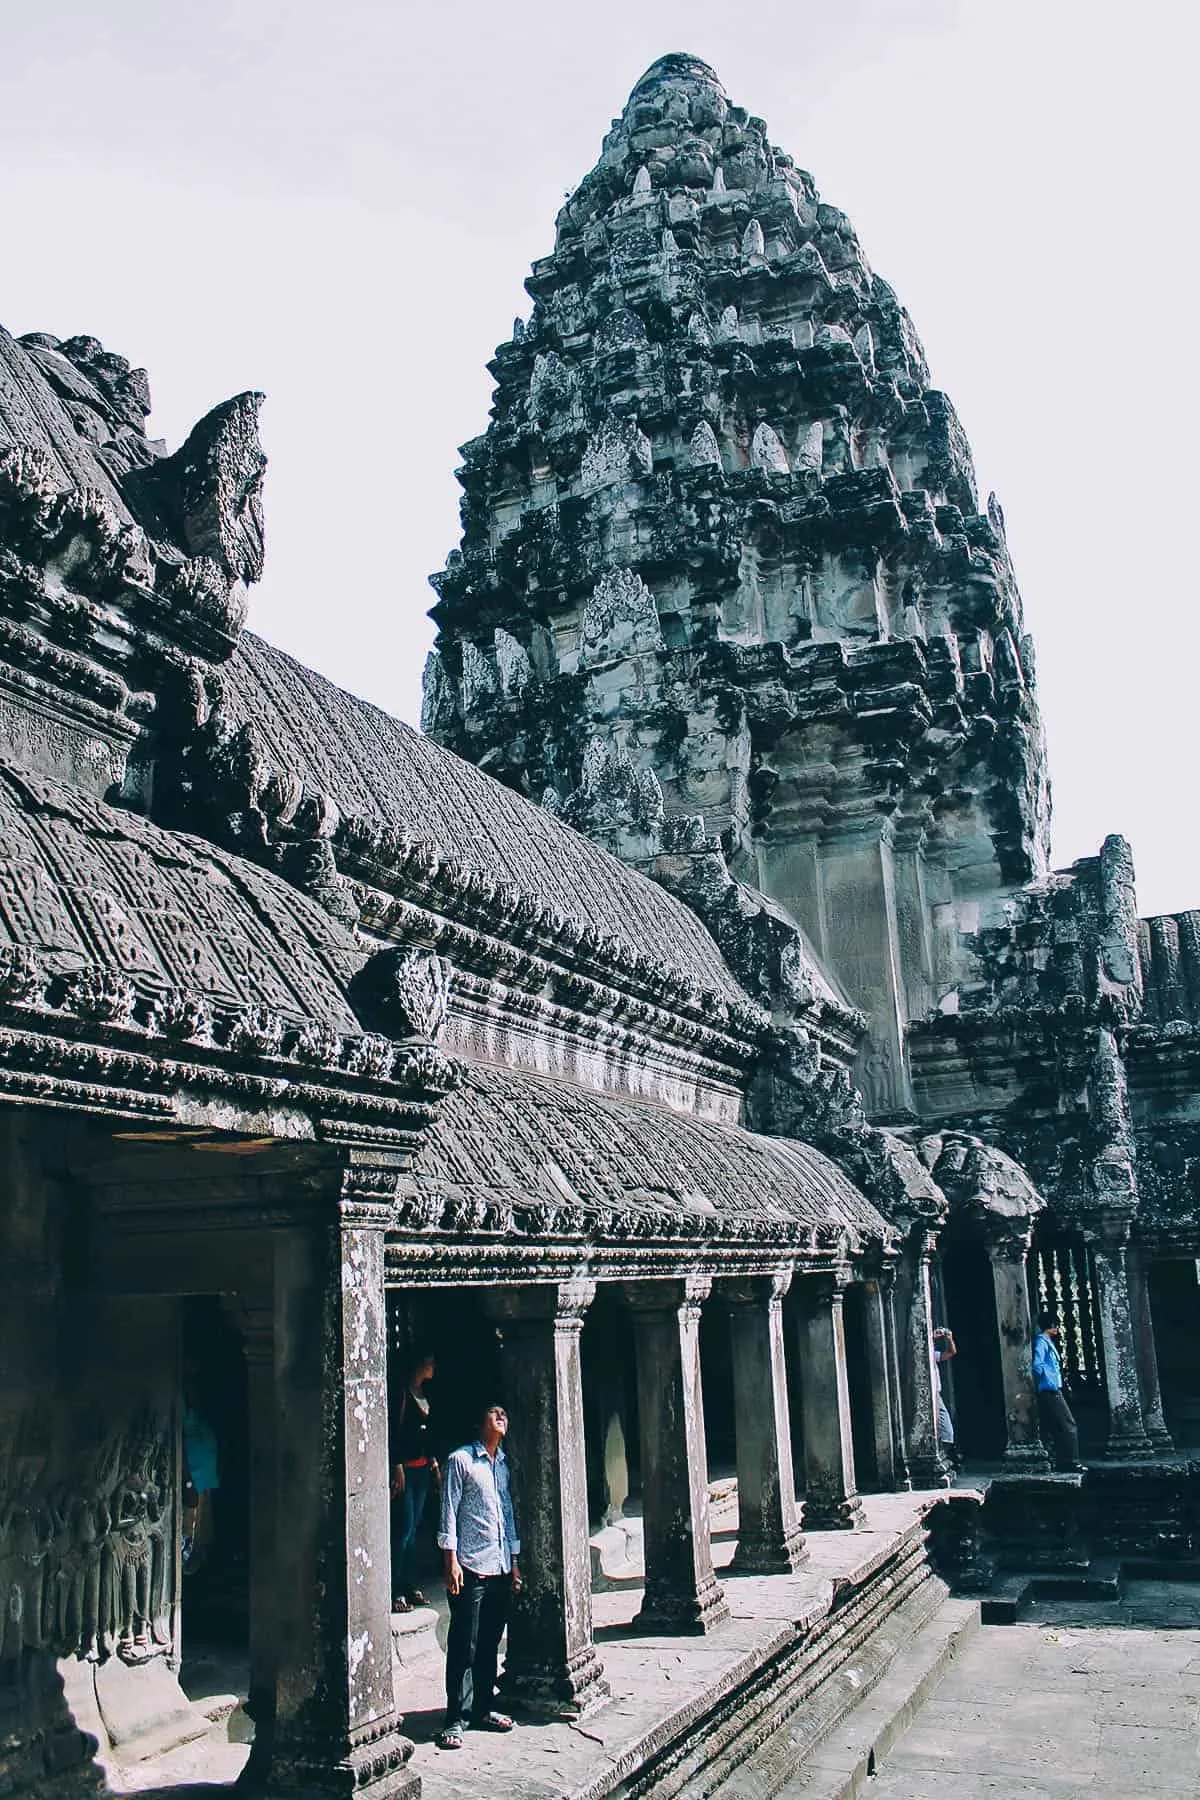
{"points": [[1123, 1326], [321, 1676]]}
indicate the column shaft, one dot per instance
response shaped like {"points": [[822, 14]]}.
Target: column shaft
{"points": [[903, 1479], [551, 1665], [1147, 1351], [831, 1501], [1023, 1447], [888, 1456], [926, 1463], [1127, 1434], [336, 1728], [682, 1594], [769, 1538], [257, 1325]]}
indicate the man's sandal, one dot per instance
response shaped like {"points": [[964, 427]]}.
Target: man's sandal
{"points": [[449, 1740], [493, 1721]]}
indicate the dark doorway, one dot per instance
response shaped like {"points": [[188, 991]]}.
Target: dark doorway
{"points": [[716, 1380], [467, 1349], [972, 1382], [610, 1410], [1062, 1280], [862, 1400], [1175, 1311], [216, 1587], [451, 1326]]}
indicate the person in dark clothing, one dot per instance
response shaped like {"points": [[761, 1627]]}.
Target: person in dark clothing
{"points": [[1054, 1415], [478, 1535], [414, 1474]]}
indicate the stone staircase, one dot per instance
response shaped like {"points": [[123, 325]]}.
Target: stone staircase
{"points": [[814, 1717]]}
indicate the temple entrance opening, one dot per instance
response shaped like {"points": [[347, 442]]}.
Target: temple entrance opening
{"points": [[1062, 1280], [215, 1522], [863, 1401], [1175, 1309], [716, 1369], [609, 1378], [972, 1383]]}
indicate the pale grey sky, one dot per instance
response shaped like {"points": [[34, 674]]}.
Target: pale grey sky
{"points": [[338, 203]]}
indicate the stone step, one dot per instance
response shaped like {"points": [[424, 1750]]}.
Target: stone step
{"points": [[1160, 1568], [1002, 1604], [1101, 1580], [616, 1549], [415, 1636], [1011, 1596], [842, 1764]]}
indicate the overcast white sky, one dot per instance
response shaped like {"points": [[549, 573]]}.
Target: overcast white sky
{"points": [[338, 203]]}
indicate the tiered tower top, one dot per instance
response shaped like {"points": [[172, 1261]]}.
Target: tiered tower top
{"points": [[722, 549]]}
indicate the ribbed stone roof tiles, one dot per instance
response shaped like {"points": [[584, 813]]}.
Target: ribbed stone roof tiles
{"points": [[378, 769]]}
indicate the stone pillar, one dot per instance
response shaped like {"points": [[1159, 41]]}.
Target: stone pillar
{"points": [[831, 1501], [1127, 1434], [682, 1594], [887, 1287], [769, 1539], [256, 1321], [889, 1456], [336, 1728], [1147, 1353], [918, 1371], [1008, 1243], [551, 1665]]}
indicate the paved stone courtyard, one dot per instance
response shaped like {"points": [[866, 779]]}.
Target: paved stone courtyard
{"points": [[1058, 1709]]}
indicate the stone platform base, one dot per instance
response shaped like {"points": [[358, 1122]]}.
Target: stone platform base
{"points": [[775, 1695], [736, 1712]]}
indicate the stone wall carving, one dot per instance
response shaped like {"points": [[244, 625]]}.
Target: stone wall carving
{"points": [[87, 1563], [620, 618]]}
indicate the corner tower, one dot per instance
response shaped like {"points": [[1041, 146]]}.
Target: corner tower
{"points": [[722, 554]]}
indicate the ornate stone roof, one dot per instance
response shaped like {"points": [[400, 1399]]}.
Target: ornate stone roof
{"points": [[506, 1140], [381, 774], [85, 886], [78, 404]]}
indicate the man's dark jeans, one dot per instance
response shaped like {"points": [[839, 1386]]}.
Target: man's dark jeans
{"points": [[1058, 1424], [477, 1619]]}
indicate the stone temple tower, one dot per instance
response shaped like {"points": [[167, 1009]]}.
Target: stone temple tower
{"points": [[724, 585]]}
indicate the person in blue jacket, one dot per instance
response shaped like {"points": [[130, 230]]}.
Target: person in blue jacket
{"points": [[1055, 1416]]}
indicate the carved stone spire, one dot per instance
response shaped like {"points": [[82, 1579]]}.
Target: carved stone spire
{"points": [[827, 656]]}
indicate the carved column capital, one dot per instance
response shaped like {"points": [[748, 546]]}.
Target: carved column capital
{"points": [[667, 1295], [824, 1289], [1007, 1239], [368, 1194], [753, 1290], [561, 1301], [1109, 1228]]}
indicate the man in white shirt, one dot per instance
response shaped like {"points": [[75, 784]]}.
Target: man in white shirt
{"points": [[478, 1536]]}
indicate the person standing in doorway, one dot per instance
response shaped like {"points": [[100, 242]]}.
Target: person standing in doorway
{"points": [[1054, 1415], [414, 1473], [944, 1347], [478, 1536]]}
